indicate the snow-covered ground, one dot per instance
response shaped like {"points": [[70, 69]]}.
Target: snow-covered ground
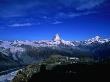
{"points": [[8, 77]]}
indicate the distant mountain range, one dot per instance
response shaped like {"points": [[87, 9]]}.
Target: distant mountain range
{"points": [[26, 52]]}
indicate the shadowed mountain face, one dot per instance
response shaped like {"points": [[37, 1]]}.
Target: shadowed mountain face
{"points": [[28, 52], [72, 72], [6, 62]]}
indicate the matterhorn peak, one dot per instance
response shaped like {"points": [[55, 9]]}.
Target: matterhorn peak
{"points": [[56, 37]]}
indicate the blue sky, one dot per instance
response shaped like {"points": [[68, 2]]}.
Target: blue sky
{"points": [[41, 19]]}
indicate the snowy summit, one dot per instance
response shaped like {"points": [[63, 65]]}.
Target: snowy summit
{"points": [[56, 38]]}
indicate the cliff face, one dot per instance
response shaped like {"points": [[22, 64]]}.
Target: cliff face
{"points": [[56, 38]]}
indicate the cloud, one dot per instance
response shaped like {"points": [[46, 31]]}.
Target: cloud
{"points": [[45, 7], [79, 7], [72, 14], [57, 22], [46, 10], [20, 25], [89, 4], [82, 4], [67, 15]]}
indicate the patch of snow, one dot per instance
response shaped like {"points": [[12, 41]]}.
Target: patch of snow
{"points": [[56, 38], [8, 77]]}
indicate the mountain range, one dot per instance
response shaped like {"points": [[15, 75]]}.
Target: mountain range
{"points": [[27, 52]]}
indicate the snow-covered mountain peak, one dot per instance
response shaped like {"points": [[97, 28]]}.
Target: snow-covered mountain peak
{"points": [[56, 38], [17, 47], [97, 39]]}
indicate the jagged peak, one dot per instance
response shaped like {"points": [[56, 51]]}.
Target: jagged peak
{"points": [[56, 37], [96, 38]]}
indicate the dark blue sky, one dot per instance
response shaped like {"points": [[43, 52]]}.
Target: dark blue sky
{"points": [[41, 19]]}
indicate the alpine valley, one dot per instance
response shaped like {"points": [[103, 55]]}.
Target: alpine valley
{"points": [[15, 53]]}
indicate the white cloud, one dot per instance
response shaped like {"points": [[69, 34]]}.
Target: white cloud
{"points": [[82, 4], [20, 24], [89, 4], [43, 7], [72, 14], [48, 11], [57, 22]]}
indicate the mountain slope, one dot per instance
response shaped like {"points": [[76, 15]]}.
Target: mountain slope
{"points": [[27, 52], [6, 62]]}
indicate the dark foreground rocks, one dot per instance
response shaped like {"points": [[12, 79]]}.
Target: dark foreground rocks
{"points": [[73, 73]]}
